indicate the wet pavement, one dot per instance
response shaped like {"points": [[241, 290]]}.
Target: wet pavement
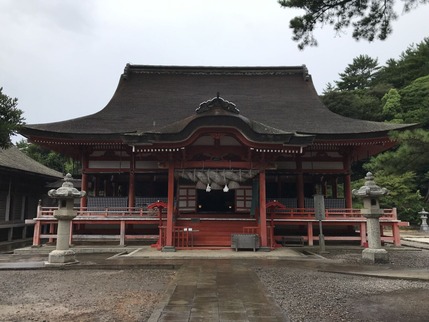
{"points": [[223, 291]]}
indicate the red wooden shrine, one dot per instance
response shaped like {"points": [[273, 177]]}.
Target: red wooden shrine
{"points": [[165, 161]]}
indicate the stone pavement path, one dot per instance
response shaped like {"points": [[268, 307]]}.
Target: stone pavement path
{"points": [[222, 290]]}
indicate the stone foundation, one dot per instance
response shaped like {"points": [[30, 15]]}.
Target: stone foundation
{"points": [[61, 257], [375, 256]]}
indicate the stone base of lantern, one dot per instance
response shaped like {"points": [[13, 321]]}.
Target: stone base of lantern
{"points": [[375, 256], [61, 257]]}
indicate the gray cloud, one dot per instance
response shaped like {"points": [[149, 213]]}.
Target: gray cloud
{"points": [[62, 58], [67, 15]]}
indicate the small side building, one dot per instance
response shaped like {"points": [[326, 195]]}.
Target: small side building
{"points": [[22, 184]]}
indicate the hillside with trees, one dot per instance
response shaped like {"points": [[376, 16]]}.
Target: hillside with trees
{"points": [[397, 92]]}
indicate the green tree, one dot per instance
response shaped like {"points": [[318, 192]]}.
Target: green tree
{"points": [[412, 63], [47, 157], [358, 104], [415, 102], [408, 105], [370, 19], [392, 106], [411, 156], [398, 92], [10, 118], [365, 91], [403, 194], [359, 74]]}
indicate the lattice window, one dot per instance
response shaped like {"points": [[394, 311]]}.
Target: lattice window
{"points": [[243, 199], [187, 199]]}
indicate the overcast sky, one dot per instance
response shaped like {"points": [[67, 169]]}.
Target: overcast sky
{"points": [[62, 58]]}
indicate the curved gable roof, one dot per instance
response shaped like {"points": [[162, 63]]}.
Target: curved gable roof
{"points": [[213, 115], [149, 98]]}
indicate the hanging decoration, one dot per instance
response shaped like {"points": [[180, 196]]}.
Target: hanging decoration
{"points": [[217, 179]]}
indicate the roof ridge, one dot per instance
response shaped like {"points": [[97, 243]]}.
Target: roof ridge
{"points": [[215, 70]]}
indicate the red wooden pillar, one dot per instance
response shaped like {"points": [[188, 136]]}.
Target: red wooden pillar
{"points": [[396, 234], [37, 232], [263, 210], [131, 191], [37, 226], [348, 183], [131, 187], [84, 187], [51, 232], [348, 190], [169, 243], [310, 233]]}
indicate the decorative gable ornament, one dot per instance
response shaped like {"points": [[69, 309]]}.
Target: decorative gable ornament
{"points": [[217, 102]]}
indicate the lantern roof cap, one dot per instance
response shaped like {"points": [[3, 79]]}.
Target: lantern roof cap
{"points": [[370, 188], [67, 190]]}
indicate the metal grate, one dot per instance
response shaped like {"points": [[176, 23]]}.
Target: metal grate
{"points": [[245, 241]]}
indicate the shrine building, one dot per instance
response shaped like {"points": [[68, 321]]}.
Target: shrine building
{"points": [[189, 156]]}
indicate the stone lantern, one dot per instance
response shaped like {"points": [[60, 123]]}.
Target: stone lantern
{"points": [[424, 225], [65, 214], [370, 194]]}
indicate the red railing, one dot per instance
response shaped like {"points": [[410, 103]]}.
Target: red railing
{"points": [[286, 213], [184, 238], [47, 212], [331, 214]]}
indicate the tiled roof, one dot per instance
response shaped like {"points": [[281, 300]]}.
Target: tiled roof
{"points": [[13, 159], [149, 98]]}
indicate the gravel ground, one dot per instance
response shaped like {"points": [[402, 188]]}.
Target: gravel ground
{"points": [[406, 258], [307, 294], [299, 287], [81, 295]]}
